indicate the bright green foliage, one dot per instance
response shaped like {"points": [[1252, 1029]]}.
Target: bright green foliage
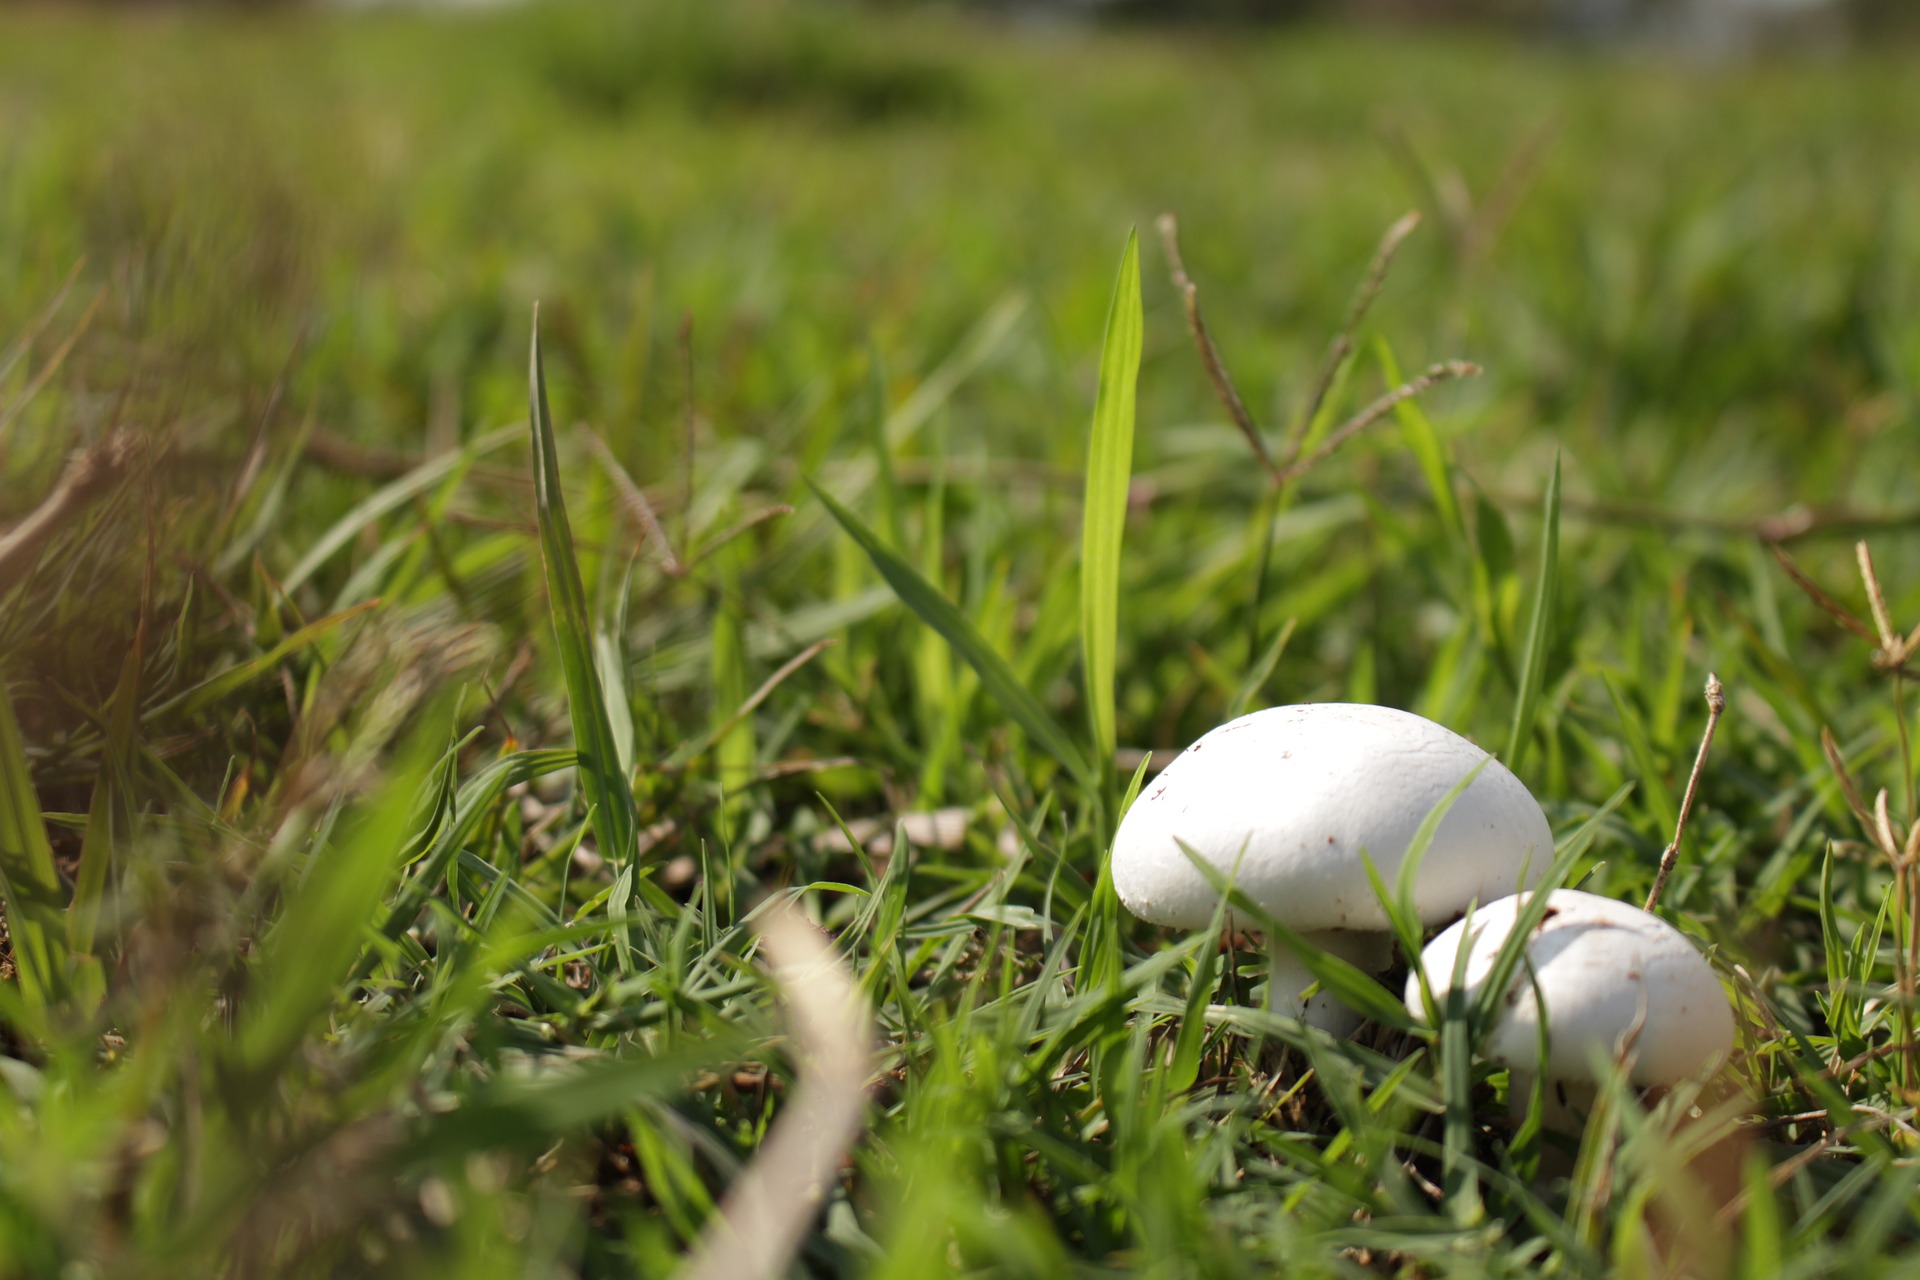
{"points": [[1104, 515], [602, 780], [391, 774]]}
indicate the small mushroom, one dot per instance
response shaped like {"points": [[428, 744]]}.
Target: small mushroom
{"points": [[1283, 801], [1617, 982]]}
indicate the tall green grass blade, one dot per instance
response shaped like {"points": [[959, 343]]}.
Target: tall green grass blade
{"points": [[1257, 676], [939, 613], [36, 902], [1104, 515], [616, 821], [1425, 442], [1533, 661]]}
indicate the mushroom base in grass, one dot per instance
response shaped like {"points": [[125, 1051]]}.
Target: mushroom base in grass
{"points": [[1291, 979], [1285, 802]]}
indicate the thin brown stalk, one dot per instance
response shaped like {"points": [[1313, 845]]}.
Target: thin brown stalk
{"points": [[1716, 704], [89, 476], [1342, 345], [1831, 750], [1379, 409], [1222, 382], [1840, 613]]}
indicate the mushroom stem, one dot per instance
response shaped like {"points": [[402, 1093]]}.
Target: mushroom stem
{"points": [[1564, 1111], [1290, 978]]}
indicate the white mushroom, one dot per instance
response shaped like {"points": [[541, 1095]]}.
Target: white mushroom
{"points": [[1283, 802], [1617, 981]]}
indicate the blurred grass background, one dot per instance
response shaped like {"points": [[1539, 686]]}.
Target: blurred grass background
{"points": [[300, 248]]}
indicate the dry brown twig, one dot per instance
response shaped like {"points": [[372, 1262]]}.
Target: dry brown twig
{"points": [[1223, 388], [1379, 409], [1342, 345], [1670, 857], [1291, 465]]}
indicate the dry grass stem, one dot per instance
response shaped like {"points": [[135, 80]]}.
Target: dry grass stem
{"points": [[1223, 388], [1342, 345], [760, 1223], [633, 501], [1839, 612], [1380, 408], [1716, 705]]}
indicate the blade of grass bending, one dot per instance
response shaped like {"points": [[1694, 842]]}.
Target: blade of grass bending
{"points": [[1428, 449], [212, 690], [1103, 959], [1261, 671], [1104, 515], [934, 609], [390, 499], [1342, 979], [531, 1112], [616, 822], [1460, 1177], [1191, 1038], [474, 801], [1397, 903], [36, 905], [1533, 660]]}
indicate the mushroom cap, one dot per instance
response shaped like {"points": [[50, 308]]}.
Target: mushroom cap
{"points": [[1303, 790], [1606, 970]]}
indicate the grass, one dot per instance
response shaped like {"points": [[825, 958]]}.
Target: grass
{"points": [[416, 781]]}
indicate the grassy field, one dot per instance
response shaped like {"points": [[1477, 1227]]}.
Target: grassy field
{"points": [[330, 956]]}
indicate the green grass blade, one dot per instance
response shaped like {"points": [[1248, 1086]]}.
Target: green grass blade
{"points": [[532, 1112], [212, 690], [1428, 448], [1104, 516], [1533, 661], [389, 499], [1257, 676], [36, 904], [615, 821], [110, 817], [939, 613]]}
